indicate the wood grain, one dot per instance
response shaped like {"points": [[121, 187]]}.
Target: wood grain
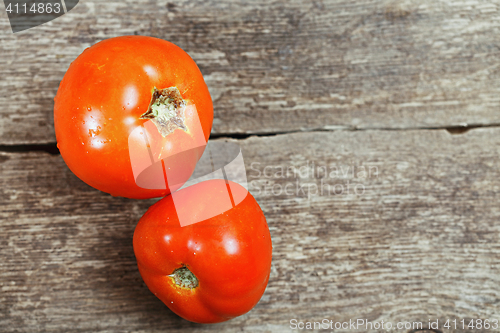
{"points": [[281, 66], [420, 242]]}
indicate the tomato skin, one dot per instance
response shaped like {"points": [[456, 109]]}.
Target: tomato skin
{"points": [[101, 99], [230, 254]]}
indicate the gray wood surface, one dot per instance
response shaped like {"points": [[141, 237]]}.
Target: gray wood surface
{"points": [[419, 241], [403, 227], [281, 66]]}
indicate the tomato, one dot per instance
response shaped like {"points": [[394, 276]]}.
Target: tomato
{"points": [[129, 111], [210, 271]]}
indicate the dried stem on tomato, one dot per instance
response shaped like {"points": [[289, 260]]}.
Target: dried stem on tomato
{"points": [[184, 278], [166, 110]]}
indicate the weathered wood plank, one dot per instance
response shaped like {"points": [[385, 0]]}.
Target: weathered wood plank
{"points": [[282, 65], [419, 241]]}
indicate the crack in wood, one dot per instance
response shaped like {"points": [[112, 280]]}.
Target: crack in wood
{"points": [[450, 129], [51, 147]]}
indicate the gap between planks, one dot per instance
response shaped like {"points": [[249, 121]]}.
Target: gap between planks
{"points": [[51, 147]]}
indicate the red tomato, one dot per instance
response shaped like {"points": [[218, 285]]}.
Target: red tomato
{"points": [[115, 87], [210, 271]]}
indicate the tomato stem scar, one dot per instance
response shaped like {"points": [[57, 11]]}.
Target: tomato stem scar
{"points": [[166, 110], [184, 278]]}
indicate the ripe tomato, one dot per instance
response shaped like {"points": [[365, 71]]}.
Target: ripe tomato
{"points": [[210, 271], [122, 85]]}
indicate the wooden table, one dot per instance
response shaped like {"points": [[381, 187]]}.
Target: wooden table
{"points": [[406, 91]]}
